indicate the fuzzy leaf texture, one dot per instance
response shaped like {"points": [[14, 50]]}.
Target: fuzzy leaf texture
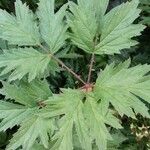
{"points": [[122, 86], [81, 116], [23, 61], [106, 33], [52, 26], [26, 93], [13, 114], [30, 130], [53, 121], [20, 29], [32, 126]]}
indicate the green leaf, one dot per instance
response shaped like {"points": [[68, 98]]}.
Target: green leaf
{"points": [[64, 136], [33, 126], [122, 86], [118, 29], [86, 119], [83, 25], [20, 29], [146, 20], [13, 114], [73, 116], [96, 122], [109, 33], [32, 129], [28, 94], [99, 8], [53, 68], [52, 26], [23, 61]]}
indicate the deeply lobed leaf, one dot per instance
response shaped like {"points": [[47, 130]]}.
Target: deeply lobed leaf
{"points": [[28, 94], [81, 116], [122, 86], [33, 128], [20, 29], [116, 28], [13, 114], [52, 27], [23, 61], [96, 122], [84, 115]]}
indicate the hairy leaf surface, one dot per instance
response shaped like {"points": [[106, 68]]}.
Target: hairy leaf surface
{"points": [[28, 94], [118, 29], [52, 26], [33, 126], [81, 116], [115, 28], [23, 61], [122, 86], [30, 130], [20, 29], [13, 114], [96, 122]]}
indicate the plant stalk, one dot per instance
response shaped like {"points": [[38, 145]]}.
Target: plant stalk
{"points": [[90, 68], [63, 65]]}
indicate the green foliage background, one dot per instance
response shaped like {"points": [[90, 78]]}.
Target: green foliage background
{"points": [[138, 54]]}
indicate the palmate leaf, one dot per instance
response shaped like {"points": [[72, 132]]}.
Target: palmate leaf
{"points": [[72, 109], [122, 86], [83, 25], [111, 33], [28, 94], [81, 116], [32, 126], [64, 138], [13, 114], [30, 130], [23, 61], [52, 27], [96, 122], [20, 29], [89, 14], [118, 29]]}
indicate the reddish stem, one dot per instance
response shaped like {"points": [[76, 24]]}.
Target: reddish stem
{"points": [[63, 65], [90, 69]]}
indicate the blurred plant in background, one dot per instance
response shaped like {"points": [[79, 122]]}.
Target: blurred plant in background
{"points": [[145, 6]]}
